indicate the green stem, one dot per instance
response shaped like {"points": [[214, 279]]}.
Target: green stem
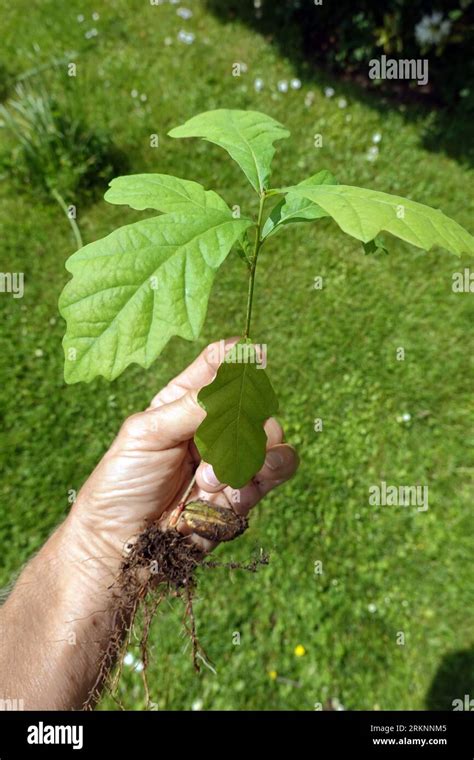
{"points": [[72, 222], [253, 265]]}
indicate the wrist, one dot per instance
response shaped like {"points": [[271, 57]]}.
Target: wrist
{"points": [[96, 556], [66, 628]]}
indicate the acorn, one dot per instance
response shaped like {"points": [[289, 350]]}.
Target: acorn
{"points": [[212, 521]]}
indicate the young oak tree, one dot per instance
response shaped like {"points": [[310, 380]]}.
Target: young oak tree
{"points": [[148, 281]]}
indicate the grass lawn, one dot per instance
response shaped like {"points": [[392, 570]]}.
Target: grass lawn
{"points": [[332, 355]]}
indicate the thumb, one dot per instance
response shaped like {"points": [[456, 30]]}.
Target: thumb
{"points": [[168, 425]]}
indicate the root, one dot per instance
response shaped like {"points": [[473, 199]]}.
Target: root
{"points": [[160, 564], [250, 567]]}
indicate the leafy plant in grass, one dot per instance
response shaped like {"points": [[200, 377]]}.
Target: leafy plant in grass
{"points": [[148, 281], [6, 81], [54, 152]]}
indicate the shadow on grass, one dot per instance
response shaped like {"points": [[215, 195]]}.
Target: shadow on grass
{"points": [[447, 129], [54, 151], [453, 680]]}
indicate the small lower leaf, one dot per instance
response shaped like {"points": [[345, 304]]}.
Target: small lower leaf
{"points": [[293, 208], [237, 402], [374, 246]]}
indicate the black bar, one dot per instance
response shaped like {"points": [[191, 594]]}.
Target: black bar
{"points": [[126, 734]]}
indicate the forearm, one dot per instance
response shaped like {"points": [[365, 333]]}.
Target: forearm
{"points": [[58, 620]]}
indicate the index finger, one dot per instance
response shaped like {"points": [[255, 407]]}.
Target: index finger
{"points": [[199, 373]]}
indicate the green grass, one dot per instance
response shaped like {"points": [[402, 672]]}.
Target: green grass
{"points": [[331, 355]]}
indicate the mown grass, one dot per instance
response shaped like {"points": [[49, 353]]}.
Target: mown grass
{"points": [[332, 355]]}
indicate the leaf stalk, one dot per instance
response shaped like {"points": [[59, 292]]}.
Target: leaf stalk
{"points": [[253, 264]]}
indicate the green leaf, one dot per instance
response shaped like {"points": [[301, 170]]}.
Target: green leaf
{"points": [[163, 193], [237, 402], [375, 246], [247, 136], [293, 208], [134, 289], [365, 213]]}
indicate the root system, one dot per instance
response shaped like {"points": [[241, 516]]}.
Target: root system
{"points": [[159, 564]]}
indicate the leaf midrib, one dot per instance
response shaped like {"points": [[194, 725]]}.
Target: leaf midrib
{"points": [[239, 406], [259, 181]]}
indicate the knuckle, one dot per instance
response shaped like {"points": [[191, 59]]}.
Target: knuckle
{"points": [[132, 425], [191, 402]]}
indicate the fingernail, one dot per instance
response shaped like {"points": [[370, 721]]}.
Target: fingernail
{"points": [[274, 460], [209, 477]]}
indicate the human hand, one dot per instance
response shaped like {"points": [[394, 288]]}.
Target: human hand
{"points": [[144, 474]]}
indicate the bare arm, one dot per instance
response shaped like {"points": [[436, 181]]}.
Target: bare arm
{"points": [[57, 622]]}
